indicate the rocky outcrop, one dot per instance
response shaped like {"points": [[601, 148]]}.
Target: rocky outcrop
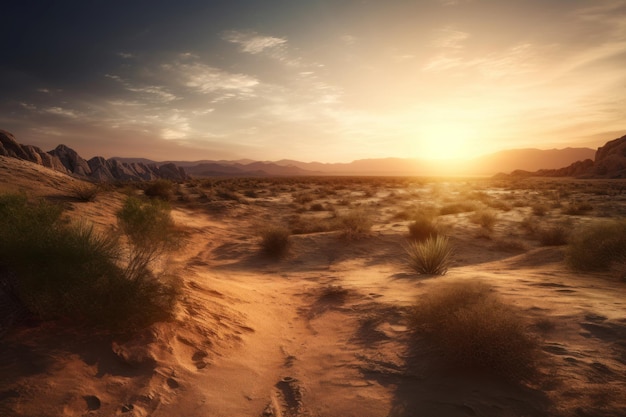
{"points": [[611, 159], [610, 162], [71, 160], [67, 160]]}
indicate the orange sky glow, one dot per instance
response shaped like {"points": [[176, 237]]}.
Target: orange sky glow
{"points": [[316, 81]]}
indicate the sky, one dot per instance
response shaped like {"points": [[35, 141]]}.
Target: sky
{"points": [[314, 80]]}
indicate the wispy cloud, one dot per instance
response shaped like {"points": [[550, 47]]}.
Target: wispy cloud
{"points": [[149, 92], [449, 38], [252, 42], [207, 79]]}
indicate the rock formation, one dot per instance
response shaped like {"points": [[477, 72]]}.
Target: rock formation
{"points": [[610, 162], [67, 160]]}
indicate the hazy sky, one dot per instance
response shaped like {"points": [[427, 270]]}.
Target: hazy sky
{"points": [[332, 80]]}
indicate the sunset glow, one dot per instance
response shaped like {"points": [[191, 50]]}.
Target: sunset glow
{"points": [[321, 80]]}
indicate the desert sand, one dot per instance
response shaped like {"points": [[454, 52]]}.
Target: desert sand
{"points": [[323, 331]]}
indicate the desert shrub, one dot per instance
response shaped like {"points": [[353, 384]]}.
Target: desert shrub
{"points": [[303, 197], [539, 209], [474, 330], [552, 236], [577, 208], [455, 208], [597, 246], [432, 256], [355, 223], [226, 193], [161, 189], [422, 228], [317, 207], [150, 231], [251, 194], [86, 192], [485, 218], [275, 241], [71, 272]]}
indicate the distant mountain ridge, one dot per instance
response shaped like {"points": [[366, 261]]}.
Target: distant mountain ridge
{"points": [[507, 161], [610, 162], [68, 161]]}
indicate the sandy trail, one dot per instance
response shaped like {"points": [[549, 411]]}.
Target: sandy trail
{"points": [[322, 332]]}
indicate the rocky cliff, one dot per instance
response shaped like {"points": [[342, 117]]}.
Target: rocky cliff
{"points": [[609, 162], [67, 160]]}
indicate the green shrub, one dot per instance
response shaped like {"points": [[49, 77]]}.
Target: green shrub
{"points": [[161, 189], [275, 241], [597, 246], [70, 272], [432, 256], [474, 330], [150, 231]]}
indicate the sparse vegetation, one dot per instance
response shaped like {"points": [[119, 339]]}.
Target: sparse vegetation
{"points": [[475, 330], [86, 192], [161, 189], [71, 272], [555, 235], [597, 246], [432, 256], [275, 241], [485, 218], [422, 228], [356, 223]]}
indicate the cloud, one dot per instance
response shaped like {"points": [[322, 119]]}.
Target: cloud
{"points": [[251, 42], [449, 38], [60, 111], [207, 79], [150, 92]]}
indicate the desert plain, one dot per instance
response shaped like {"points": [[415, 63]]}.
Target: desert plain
{"points": [[326, 329]]}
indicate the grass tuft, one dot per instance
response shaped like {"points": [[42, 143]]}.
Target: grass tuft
{"points": [[432, 256]]}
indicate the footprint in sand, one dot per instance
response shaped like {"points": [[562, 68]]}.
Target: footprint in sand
{"points": [[93, 402], [172, 383]]}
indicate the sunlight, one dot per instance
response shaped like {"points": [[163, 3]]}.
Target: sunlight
{"points": [[445, 141]]}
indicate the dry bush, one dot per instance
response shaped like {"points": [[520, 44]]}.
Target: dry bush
{"points": [[161, 189], [422, 228], [275, 241], [86, 192], [432, 256], [475, 330], [574, 208], [539, 209], [555, 235], [597, 246], [355, 224], [485, 218], [459, 207]]}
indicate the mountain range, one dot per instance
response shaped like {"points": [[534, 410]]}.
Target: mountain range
{"points": [[608, 161]]}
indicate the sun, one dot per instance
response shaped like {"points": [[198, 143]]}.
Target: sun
{"points": [[445, 141]]}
